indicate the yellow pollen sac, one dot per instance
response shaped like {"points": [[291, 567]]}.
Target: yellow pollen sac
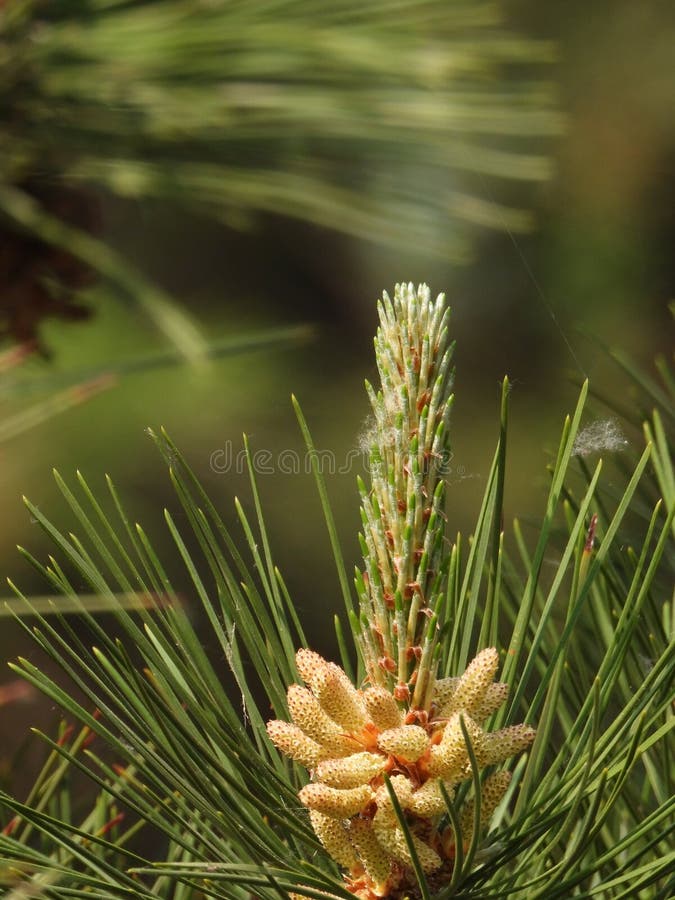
{"points": [[495, 695], [493, 789], [374, 859], [383, 710], [499, 745], [308, 714], [292, 741], [402, 788], [340, 804], [334, 836], [444, 688], [351, 771], [473, 683], [407, 742], [332, 688], [309, 664], [450, 758], [338, 696], [427, 801], [391, 838]]}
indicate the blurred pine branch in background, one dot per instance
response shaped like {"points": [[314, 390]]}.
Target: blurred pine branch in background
{"points": [[395, 122]]}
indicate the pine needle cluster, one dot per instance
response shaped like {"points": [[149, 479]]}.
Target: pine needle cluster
{"points": [[405, 770]]}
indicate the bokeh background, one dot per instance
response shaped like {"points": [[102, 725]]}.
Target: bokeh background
{"points": [[596, 266]]}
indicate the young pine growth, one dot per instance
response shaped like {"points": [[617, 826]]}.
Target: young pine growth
{"points": [[404, 734], [404, 771]]}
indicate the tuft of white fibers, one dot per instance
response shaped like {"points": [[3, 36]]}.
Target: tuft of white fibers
{"points": [[367, 436], [599, 436], [372, 436]]}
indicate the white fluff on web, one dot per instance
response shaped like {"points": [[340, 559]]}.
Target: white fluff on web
{"points": [[602, 435]]}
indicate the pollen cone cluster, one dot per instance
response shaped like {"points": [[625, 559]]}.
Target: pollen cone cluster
{"points": [[362, 746]]}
